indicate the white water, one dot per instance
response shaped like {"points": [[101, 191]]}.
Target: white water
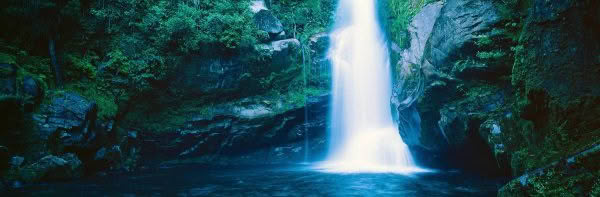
{"points": [[363, 138]]}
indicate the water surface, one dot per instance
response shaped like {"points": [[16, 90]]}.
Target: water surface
{"points": [[297, 180]]}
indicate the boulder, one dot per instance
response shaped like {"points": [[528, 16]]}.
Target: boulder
{"points": [[266, 21], [52, 167], [71, 115], [8, 84], [16, 161], [31, 88]]}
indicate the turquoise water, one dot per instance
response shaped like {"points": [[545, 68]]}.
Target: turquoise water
{"points": [[297, 180]]}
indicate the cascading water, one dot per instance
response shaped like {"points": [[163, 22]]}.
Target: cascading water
{"points": [[363, 137]]}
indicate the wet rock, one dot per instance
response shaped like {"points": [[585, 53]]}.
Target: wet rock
{"points": [[8, 82], [52, 167], [266, 21]]}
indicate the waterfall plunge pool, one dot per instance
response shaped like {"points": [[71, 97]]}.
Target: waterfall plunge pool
{"points": [[288, 180]]}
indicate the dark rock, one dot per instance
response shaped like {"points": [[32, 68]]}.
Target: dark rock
{"points": [[4, 158], [280, 36], [8, 83], [560, 50], [281, 51], [71, 114], [459, 23], [318, 45], [266, 21], [16, 161], [31, 88], [106, 158], [453, 125], [53, 168], [132, 135], [198, 75], [241, 131]]}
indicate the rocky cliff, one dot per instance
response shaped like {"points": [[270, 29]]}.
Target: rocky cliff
{"points": [[507, 86]]}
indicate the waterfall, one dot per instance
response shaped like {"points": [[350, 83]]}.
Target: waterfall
{"points": [[363, 135]]}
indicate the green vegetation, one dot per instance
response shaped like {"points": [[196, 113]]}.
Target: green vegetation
{"points": [[304, 18]]}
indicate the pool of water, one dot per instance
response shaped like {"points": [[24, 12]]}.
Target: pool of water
{"points": [[296, 180]]}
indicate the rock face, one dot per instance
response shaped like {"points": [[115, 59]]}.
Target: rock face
{"points": [[459, 23], [438, 34], [254, 131], [200, 76], [409, 83], [282, 52], [439, 110], [561, 58], [555, 75]]}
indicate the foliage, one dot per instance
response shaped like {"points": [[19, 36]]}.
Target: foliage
{"points": [[304, 18], [80, 67]]}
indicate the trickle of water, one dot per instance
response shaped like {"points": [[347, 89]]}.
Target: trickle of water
{"points": [[363, 137], [304, 75]]}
